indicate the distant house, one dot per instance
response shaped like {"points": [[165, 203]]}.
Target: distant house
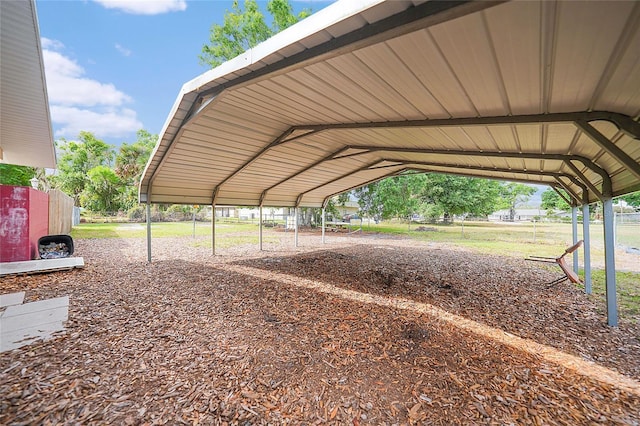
{"points": [[528, 214], [350, 208], [246, 213], [521, 215]]}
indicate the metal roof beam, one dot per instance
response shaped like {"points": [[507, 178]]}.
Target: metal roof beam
{"points": [[584, 179], [575, 199], [479, 168], [581, 119], [247, 163], [555, 175], [532, 155], [345, 175], [299, 172], [626, 124], [611, 149], [386, 166], [567, 117], [293, 138], [488, 169], [328, 197], [607, 188], [470, 175], [567, 200], [214, 195]]}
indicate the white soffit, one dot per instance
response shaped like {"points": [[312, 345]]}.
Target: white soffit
{"points": [[539, 91], [25, 125]]}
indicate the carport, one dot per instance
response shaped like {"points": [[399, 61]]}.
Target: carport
{"points": [[538, 92]]}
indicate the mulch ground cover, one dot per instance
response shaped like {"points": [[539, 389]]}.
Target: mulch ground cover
{"points": [[359, 331]]}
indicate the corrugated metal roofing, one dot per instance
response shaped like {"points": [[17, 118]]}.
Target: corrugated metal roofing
{"points": [[543, 92], [25, 124]]}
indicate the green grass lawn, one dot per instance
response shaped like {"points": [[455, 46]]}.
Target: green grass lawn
{"points": [[158, 230], [628, 288], [513, 239]]}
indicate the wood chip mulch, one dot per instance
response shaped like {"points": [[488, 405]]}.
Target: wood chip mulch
{"points": [[360, 331]]}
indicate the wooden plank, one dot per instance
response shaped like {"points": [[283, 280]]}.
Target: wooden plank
{"points": [[19, 338], [11, 299], [23, 324], [33, 320], [37, 306], [43, 265]]}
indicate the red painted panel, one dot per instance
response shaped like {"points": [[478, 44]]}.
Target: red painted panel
{"points": [[14, 223], [38, 219], [24, 217]]}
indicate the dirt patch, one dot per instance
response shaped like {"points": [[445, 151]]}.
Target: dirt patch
{"points": [[359, 331], [426, 229]]}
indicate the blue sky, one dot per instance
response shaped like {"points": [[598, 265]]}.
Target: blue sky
{"points": [[116, 66]]}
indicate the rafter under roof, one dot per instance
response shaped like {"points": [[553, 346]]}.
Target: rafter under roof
{"points": [[540, 91]]}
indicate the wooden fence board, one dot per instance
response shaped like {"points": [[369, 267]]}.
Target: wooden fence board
{"points": [[60, 212]]}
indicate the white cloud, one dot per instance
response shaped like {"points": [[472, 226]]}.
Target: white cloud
{"points": [[81, 103], [123, 50], [47, 43], [67, 85], [145, 7], [107, 123]]}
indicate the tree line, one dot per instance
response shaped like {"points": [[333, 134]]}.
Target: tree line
{"points": [[96, 175], [433, 196]]}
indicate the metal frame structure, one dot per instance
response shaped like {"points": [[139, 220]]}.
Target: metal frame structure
{"points": [[366, 90]]}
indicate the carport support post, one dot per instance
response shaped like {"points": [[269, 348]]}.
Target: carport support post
{"points": [[574, 229], [295, 224], [609, 262], [213, 229], [587, 247], [148, 231], [323, 223], [260, 228]]}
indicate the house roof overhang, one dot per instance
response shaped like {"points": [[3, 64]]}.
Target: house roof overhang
{"points": [[539, 92], [26, 138]]}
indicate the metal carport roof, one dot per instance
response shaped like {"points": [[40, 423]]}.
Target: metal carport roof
{"points": [[25, 124], [537, 91]]}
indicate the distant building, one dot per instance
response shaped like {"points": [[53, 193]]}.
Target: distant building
{"points": [[249, 213], [350, 208], [528, 215], [521, 215]]}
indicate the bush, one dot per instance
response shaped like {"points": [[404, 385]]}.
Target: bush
{"points": [[179, 213], [137, 214]]}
